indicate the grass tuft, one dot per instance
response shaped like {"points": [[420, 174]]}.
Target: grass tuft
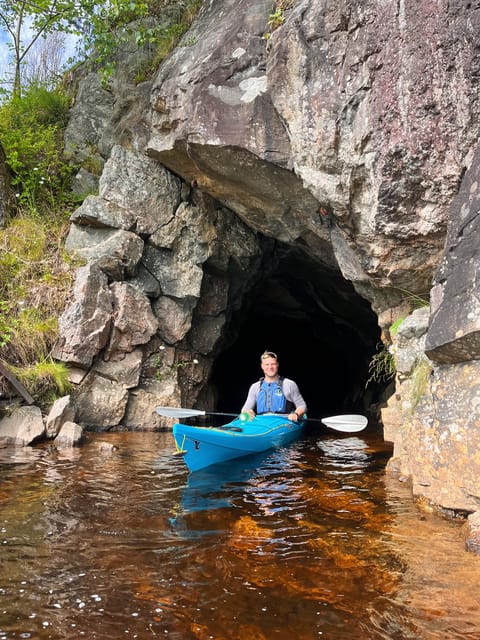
{"points": [[44, 380]]}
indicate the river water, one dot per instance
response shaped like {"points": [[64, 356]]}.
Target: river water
{"points": [[311, 541]]}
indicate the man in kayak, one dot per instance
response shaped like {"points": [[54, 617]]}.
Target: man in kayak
{"points": [[273, 393]]}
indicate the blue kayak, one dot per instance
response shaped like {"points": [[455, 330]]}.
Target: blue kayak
{"points": [[201, 447]]}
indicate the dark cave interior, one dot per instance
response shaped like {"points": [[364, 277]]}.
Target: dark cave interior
{"points": [[324, 333]]}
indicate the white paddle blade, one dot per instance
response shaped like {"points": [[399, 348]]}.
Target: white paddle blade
{"points": [[178, 412], [347, 423]]}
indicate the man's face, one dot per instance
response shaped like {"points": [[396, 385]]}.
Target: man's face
{"points": [[269, 367]]}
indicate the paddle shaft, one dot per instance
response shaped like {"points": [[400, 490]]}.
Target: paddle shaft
{"points": [[321, 420], [346, 423], [235, 415]]}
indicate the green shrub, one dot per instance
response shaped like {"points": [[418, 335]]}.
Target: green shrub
{"points": [[33, 293], [31, 134], [277, 17], [166, 35], [8, 323]]}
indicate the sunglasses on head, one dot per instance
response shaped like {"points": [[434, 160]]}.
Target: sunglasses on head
{"points": [[269, 354]]}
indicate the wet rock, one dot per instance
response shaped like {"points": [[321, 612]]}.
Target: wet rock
{"points": [[70, 435], [23, 427], [140, 412], [61, 411], [106, 447], [100, 402]]}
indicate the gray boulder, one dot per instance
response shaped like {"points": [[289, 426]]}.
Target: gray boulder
{"points": [[23, 427], [70, 435]]}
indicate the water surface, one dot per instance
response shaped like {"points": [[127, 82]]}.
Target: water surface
{"points": [[311, 541]]}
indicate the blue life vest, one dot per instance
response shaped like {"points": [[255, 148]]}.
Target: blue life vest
{"points": [[270, 398]]}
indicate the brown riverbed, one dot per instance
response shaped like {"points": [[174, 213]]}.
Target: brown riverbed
{"points": [[313, 541]]}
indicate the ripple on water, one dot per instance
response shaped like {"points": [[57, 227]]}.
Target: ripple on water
{"points": [[118, 540]]}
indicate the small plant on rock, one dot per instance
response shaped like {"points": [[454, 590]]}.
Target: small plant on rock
{"points": [[277, 17], [382, 366], [164, 370]]}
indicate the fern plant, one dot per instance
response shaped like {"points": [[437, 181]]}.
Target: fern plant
{"points": [[382, 367]]}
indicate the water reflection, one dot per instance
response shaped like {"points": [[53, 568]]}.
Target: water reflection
{"points": [[348, 452], [305, 542], [216, 487]]}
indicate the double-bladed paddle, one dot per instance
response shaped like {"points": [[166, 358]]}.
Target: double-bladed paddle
{"points": [[346, 423]]}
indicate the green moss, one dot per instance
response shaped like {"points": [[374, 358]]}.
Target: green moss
{"points": [[420, 379], [395, 326]]}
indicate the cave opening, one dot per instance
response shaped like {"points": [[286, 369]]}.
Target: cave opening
{"points": [[323, 331]]}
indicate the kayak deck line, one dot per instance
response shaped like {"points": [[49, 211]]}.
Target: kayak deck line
{"points": [[233, 431], [179, 450], [236, 431]]}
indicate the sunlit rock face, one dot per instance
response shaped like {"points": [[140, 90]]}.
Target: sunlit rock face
{"points": [[436, 405], [298, 186], [454, 332], [366, 107]]}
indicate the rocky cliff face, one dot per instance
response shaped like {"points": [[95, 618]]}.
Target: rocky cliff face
{"points": [[298, 193]]}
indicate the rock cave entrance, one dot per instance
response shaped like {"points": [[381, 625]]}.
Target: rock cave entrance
{"points": [[324, 333]]}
